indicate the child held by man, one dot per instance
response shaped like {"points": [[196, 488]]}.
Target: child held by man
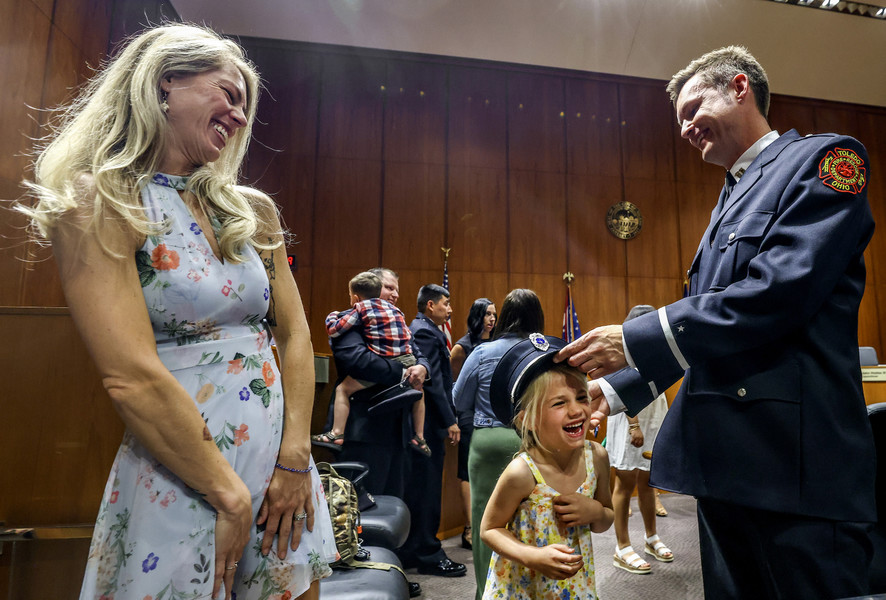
{"points": [[385, 331]]}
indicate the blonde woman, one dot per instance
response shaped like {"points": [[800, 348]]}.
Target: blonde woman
{"points": [[177, 278]]}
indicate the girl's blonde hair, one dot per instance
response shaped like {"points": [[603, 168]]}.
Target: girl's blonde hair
{"points": [[114, 133], [528, 418]]}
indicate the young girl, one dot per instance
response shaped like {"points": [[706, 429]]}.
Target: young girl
{"points": [[556, 491]]}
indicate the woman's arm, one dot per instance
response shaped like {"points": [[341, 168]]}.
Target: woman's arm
{"points": [[107, 305], [557, 561], [457, 358], [289, 494]]}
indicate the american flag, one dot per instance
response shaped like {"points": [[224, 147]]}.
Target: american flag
{"points": [[571, 328], [446, 327]]}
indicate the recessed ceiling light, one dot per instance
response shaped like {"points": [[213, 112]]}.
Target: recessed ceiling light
{"points": [[829, 3]]}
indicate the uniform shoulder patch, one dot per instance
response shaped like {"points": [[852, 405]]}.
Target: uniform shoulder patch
{"points": [[842, 170]]}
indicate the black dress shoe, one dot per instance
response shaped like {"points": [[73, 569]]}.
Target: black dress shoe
{"points": [[414, 589], [444, 568]]}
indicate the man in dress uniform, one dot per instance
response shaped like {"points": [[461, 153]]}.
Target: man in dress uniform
{"points": [[769, 429]]}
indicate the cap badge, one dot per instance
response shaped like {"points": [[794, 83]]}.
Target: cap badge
{"points": [[539, 341], [842, 170]]}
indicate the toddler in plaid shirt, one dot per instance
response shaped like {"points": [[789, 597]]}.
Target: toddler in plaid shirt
{"points": [[386, 334]]}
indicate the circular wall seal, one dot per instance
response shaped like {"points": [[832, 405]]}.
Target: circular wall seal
{"points": [[624, 220]]}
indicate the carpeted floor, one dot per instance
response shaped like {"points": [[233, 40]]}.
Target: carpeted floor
{"points": [[678, 580]]}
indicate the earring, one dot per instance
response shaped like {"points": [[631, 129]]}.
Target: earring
{"points": [[164, 105]]}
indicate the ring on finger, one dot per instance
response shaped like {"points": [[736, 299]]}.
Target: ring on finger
{"points": [[234, 566], [301, 516]]}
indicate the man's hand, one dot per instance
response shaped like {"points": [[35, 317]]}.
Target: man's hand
{"points": [[416, 374], [598, 352], [598, 402]]}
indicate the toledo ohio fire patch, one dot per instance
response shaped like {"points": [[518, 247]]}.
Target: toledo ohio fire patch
{"points": [[842, 170]]}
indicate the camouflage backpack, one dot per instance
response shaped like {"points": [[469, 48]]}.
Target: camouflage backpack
{"points": [[342, 500]]}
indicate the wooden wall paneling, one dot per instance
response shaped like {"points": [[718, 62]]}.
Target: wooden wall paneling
{"points": [[25, 31], [413, 227], [46, 568], [87, 23], [415, 112], [656, 291], [65, 431], [655, 251], [786, 113], [551, 291], [536, 119], [467, 286], [477, 219], [599, 300], [329, 292], [592, 128], [830, 118], [647, 119], [66, 68], [351, 106], [347, 213], [13, 247], [477, 117], [874, 126], [411, 280], [695, 201], [593, 251], [282, 157], [131, 17], [537, 223]]}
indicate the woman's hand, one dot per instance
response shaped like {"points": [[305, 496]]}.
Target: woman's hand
{"points": [[636, 437], [286, 510], [557, 561], [232, 529]]}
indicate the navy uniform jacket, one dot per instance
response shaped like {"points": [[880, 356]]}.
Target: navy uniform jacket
{"points": [[771, 413], [353, 357], [439, 409]]}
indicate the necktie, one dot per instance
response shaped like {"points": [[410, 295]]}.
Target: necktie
{"points": [[727, 190]]}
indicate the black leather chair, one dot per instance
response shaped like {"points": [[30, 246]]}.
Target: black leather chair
{"points": [[877, 415]]}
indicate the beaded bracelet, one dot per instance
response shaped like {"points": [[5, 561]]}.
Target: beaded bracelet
{"points": [[291, 470]]}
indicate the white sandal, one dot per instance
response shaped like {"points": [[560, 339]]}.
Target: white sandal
{"points": [[623, 560], [656, 548]]}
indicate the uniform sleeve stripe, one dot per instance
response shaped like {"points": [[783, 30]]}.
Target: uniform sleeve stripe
{"points": [[669, 336]]}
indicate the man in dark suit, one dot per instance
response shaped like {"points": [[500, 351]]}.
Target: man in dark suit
{"points": [[378, 440], [769, 429], [425, 473]]}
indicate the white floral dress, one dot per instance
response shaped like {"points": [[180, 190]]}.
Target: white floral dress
{"points": [[154, 535], [535, 523]]}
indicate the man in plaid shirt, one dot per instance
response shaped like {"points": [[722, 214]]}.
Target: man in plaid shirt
{"points": [[385, 331]]}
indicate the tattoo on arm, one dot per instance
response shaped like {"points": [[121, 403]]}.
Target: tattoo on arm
{"points": [[271, 269]]}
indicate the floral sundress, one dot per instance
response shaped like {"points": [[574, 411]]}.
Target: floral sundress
{"points": [[535, 523], [154, 535]]}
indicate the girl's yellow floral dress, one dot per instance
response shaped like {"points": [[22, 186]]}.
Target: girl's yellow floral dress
{"points": [[154, 535], [535, 523]]}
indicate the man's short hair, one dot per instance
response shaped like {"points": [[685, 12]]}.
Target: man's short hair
{"points": [[366, 285], [382, 271], [430, 293], [717, 68]]}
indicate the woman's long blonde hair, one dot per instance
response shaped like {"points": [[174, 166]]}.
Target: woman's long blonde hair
{"points": [[114, 133], [528, 418]]}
